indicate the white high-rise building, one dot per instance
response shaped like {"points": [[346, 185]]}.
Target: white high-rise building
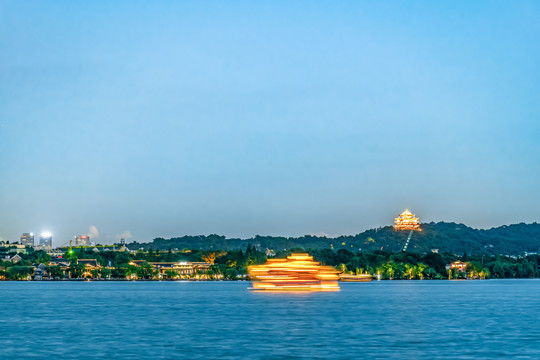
{"points": [[45, 239]]}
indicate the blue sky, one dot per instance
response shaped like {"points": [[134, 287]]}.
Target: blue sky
{"points": [[169, 118]]}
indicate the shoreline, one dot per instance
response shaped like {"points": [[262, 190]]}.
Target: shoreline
{"points": [[228, 280]]}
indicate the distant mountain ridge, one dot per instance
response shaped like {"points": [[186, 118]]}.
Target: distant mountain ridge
{"points": [[445, 236]]}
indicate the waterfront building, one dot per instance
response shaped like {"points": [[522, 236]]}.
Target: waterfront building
{"points": [[182, 268], [27, 239], [89, 265], [62, 263], [45, 240], [460, 265], [40, 272], [200, 266]]}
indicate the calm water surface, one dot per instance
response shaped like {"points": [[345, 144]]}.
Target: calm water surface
{"points": [[223, 320]]}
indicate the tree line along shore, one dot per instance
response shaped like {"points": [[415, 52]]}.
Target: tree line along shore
{"points": [[193, 264], [446, 237]]}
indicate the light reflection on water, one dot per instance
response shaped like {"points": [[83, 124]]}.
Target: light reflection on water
{"points": [[223, 320]]}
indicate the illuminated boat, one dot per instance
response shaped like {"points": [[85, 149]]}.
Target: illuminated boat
{"points": [[357, 278], [297, 272]]}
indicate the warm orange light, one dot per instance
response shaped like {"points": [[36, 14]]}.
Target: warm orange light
{"points": [[297, 272], [407, 221]]}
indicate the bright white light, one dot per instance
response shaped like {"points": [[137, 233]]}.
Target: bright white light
{"points": [[31, 234], [46, 234]]}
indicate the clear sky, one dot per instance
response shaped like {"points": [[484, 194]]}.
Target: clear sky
{"points": [[166, 118]]}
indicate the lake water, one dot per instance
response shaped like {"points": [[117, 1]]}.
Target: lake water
{"points": [[223, 320]]}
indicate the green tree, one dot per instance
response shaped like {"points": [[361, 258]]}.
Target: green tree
{"points": [[171, 274], [431, 273], [106, 273], [170, 256], [146, 271], [231, 274], [390, 269], [17, 272], [55, 272], [128, 271], [76, 270], [419, 270], [409, 271]]}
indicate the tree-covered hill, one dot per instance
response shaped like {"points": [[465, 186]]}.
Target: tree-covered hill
{"points": [[446, 237]]}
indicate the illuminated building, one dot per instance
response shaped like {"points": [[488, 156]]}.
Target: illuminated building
{"points": [[460, 265], [297, 272], [82, 240], [27, 239], [407, 221], [89, 265], [181, 268], [45, 239], [59, 262]]}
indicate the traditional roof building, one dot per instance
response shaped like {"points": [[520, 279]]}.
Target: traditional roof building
{"points": [[460, 265], [89, 263], [40, 272], [136, 262], [181, 267], [59, 262], [407, 221], [202, 266], [14, 259]]}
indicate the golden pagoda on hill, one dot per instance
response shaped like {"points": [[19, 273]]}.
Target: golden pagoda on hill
{"points": [[407, 221], [297, 272]]}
